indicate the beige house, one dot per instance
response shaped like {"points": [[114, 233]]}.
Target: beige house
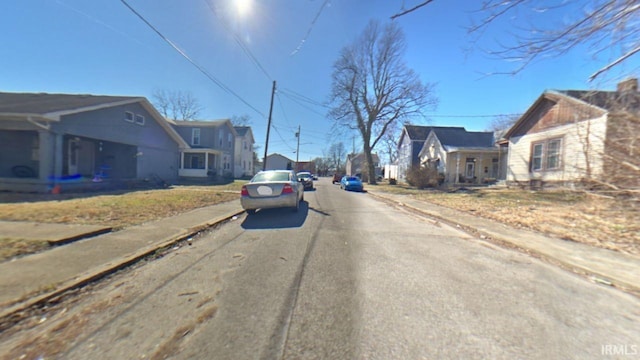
{"points": [[569, 136], [461, 156]]}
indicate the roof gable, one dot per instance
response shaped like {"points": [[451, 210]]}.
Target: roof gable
{"points": [[553, 109], [54, 105]]}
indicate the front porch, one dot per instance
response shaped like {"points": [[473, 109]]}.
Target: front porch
{"points": [[201, 166]]}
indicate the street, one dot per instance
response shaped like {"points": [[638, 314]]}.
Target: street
{"points": [[347, 277]]}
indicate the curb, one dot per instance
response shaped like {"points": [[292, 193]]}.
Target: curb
{"points": [[13, 311], [595, 276]]}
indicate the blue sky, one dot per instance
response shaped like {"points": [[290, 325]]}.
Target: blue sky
{"points": [[101, 47]]}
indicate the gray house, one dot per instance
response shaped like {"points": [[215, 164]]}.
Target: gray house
{"points": [[61, 141], [409, 145], [211, 149], [356, 165]]}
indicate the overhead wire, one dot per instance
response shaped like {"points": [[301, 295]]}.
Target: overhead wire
{"points": [[238, 41], [313, 23], [195, 64]]}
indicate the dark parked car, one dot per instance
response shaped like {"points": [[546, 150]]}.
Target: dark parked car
{"points": [[306, 179], [336, 178], [351, 183]]}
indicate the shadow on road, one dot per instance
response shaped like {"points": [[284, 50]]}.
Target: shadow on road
{"points": [[277, 218]]}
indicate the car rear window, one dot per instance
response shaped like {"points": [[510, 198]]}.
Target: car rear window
{"points": [[271, 176]]}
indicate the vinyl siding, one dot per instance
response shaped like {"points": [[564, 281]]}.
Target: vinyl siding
{"points": [[585, 136]]}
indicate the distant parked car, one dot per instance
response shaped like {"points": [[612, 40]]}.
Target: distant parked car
{"points": [[351, 183], [272, 189], [336, 178], [306, 179]]}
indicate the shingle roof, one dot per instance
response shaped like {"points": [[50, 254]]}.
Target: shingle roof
{"points": [[608, 100], [199, 123], [417, 132], [459, 137], [44, 103]]}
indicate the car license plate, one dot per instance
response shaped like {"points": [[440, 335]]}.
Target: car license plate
{"points": [[265, 190]]}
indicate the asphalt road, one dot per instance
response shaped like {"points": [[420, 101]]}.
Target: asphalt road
{"points": [[348, 277]]}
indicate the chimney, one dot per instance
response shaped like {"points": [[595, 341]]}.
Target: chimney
{"points": [[629, 85]]}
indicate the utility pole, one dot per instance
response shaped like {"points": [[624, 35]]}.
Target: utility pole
{"points": [[266, 145], [298, 148]]}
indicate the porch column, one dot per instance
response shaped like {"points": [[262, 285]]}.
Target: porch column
{"points": [[46, 154], [206, 163], [182, 159], [481, 177], [457, 178], [58, 142]]}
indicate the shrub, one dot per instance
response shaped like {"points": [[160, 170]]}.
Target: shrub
{"points": [[422, 177], [393, 182]]}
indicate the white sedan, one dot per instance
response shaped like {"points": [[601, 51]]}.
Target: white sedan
{"points": [[272, 189]]}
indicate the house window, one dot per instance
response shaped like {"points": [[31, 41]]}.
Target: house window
{"points": [[128, 116], [229, 139], [139, 119], [546, 155], [195, 136], [220, 137], [244, 145]]}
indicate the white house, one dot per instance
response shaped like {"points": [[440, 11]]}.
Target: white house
{"points": [[568, 136], [243, 157]]}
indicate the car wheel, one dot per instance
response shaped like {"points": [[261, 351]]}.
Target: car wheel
{"points": [[251, 211]]}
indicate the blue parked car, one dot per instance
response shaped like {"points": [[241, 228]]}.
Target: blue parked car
{"points": [[351, 183]]}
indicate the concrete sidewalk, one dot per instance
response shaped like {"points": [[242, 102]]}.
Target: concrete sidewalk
{"points": [[36, 278], [602, 265]]}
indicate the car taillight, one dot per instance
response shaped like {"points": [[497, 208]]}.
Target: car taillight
{"points": [[244, 191], [287, 189]]}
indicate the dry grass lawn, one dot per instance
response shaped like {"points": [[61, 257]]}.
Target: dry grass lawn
{"points": [[575, 216], [117, 209]]}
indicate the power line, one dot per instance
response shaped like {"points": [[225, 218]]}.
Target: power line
{"points": [[294, 99], [197, 66], [313, 22], [238, 41], [295, 94]]}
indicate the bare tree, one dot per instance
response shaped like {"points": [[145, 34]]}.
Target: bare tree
{"points": [[372, 87], [176, 105], [604, 26], [241, 120], [335, 154], [503, 122], [389, 143]]}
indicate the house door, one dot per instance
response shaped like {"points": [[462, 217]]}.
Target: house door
{"points": [[73, 151], [470, 170]]}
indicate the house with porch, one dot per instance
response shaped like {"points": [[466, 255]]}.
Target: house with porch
{"points": [[80, 142], [410, 144], [567, 137], [210, 156], [461, 156]]}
